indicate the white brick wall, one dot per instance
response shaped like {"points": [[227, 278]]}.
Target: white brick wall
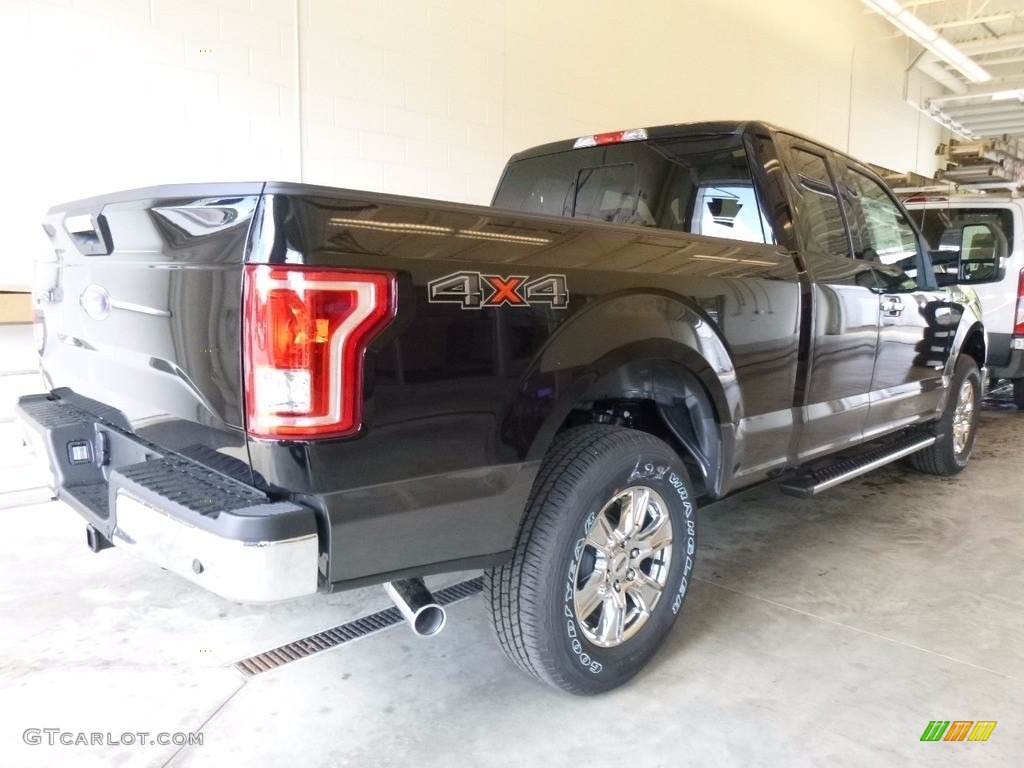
{"points": [[420, 97]]}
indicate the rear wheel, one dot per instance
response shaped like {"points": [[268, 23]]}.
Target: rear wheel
{"points": [[602, 560], [957, 428], [1018, 393]]}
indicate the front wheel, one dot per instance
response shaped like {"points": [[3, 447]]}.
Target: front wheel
{"points": [[957, 428], [602, 560]]}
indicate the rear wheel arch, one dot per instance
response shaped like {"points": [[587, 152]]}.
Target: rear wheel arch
{"points": [[668, 399]]}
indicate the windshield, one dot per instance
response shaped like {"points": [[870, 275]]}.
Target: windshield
{"points": [[698, 184]]}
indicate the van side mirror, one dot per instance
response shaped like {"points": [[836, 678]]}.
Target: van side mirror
{"points": [[983, 254]]}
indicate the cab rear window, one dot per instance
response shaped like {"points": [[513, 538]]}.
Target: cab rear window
{"points": [[697, 184]]}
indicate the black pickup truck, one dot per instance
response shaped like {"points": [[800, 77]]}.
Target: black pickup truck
{"points": [[275, 389]]}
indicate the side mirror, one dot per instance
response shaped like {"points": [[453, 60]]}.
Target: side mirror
{"points": [[983, 254]]}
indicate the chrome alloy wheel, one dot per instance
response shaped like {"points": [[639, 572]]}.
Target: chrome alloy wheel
{"points": [[963, 417], [622, 567]]}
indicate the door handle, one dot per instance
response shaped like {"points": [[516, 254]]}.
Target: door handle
{"points": [[892, 306]]}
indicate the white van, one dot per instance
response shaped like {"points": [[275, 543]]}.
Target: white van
{"points": [[975, 218]]}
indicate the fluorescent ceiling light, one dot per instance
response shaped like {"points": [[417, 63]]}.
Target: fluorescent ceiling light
{"points": [[916, 29], [1017, 93]]}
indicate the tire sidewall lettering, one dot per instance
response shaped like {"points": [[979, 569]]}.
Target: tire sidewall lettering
{"points": [[691, 539], [657, 473]]}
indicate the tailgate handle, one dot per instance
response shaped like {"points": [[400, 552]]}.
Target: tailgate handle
{"points": [[90, 233]]}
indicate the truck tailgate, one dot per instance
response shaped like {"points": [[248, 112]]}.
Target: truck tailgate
{"points": [[139, 310], [137, 319]]}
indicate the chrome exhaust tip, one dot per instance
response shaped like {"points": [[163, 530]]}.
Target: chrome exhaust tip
{"points": [[417, 605]]}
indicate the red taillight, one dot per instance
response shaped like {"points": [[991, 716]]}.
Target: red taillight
{"points": [[1018, 320], [305, 334]]}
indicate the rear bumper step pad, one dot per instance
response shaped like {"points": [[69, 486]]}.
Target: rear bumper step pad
{"points": [[212, 529]]}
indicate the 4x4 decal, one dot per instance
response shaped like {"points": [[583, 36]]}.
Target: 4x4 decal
{"points": [[473, 290]]}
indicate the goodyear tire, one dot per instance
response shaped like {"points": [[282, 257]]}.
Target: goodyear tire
{"points": [[602, 560], [957, 428]]}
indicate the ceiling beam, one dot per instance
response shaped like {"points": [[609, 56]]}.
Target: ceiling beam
{"points": [[974, 94], [988, 105], [972, 122], [992, 45], [995, 129], [1001, 114], [1013, 131], [1003, 60], [976, 20], [914, 28], [934, 69]]}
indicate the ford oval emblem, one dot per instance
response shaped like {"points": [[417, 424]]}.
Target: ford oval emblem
{"points": [[96, 302]]}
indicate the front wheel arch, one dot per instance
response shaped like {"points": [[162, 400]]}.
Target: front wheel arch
{"points": [[974, 345]]}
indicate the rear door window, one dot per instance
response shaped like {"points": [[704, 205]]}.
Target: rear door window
{"points": [[820, 217]]}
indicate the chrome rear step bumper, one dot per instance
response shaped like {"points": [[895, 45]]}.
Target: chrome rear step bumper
{"points": [[214, 530]]}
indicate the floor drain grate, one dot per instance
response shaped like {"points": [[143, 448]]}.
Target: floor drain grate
{"points": [[353, 630]]}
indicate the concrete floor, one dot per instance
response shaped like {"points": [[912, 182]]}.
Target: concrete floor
{"points": [[820, 633]]}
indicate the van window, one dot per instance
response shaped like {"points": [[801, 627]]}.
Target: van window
{"points": [[698, 184], [941, 224]]}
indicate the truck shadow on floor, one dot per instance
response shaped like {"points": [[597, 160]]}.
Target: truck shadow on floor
{"points": [[863, 554]]}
